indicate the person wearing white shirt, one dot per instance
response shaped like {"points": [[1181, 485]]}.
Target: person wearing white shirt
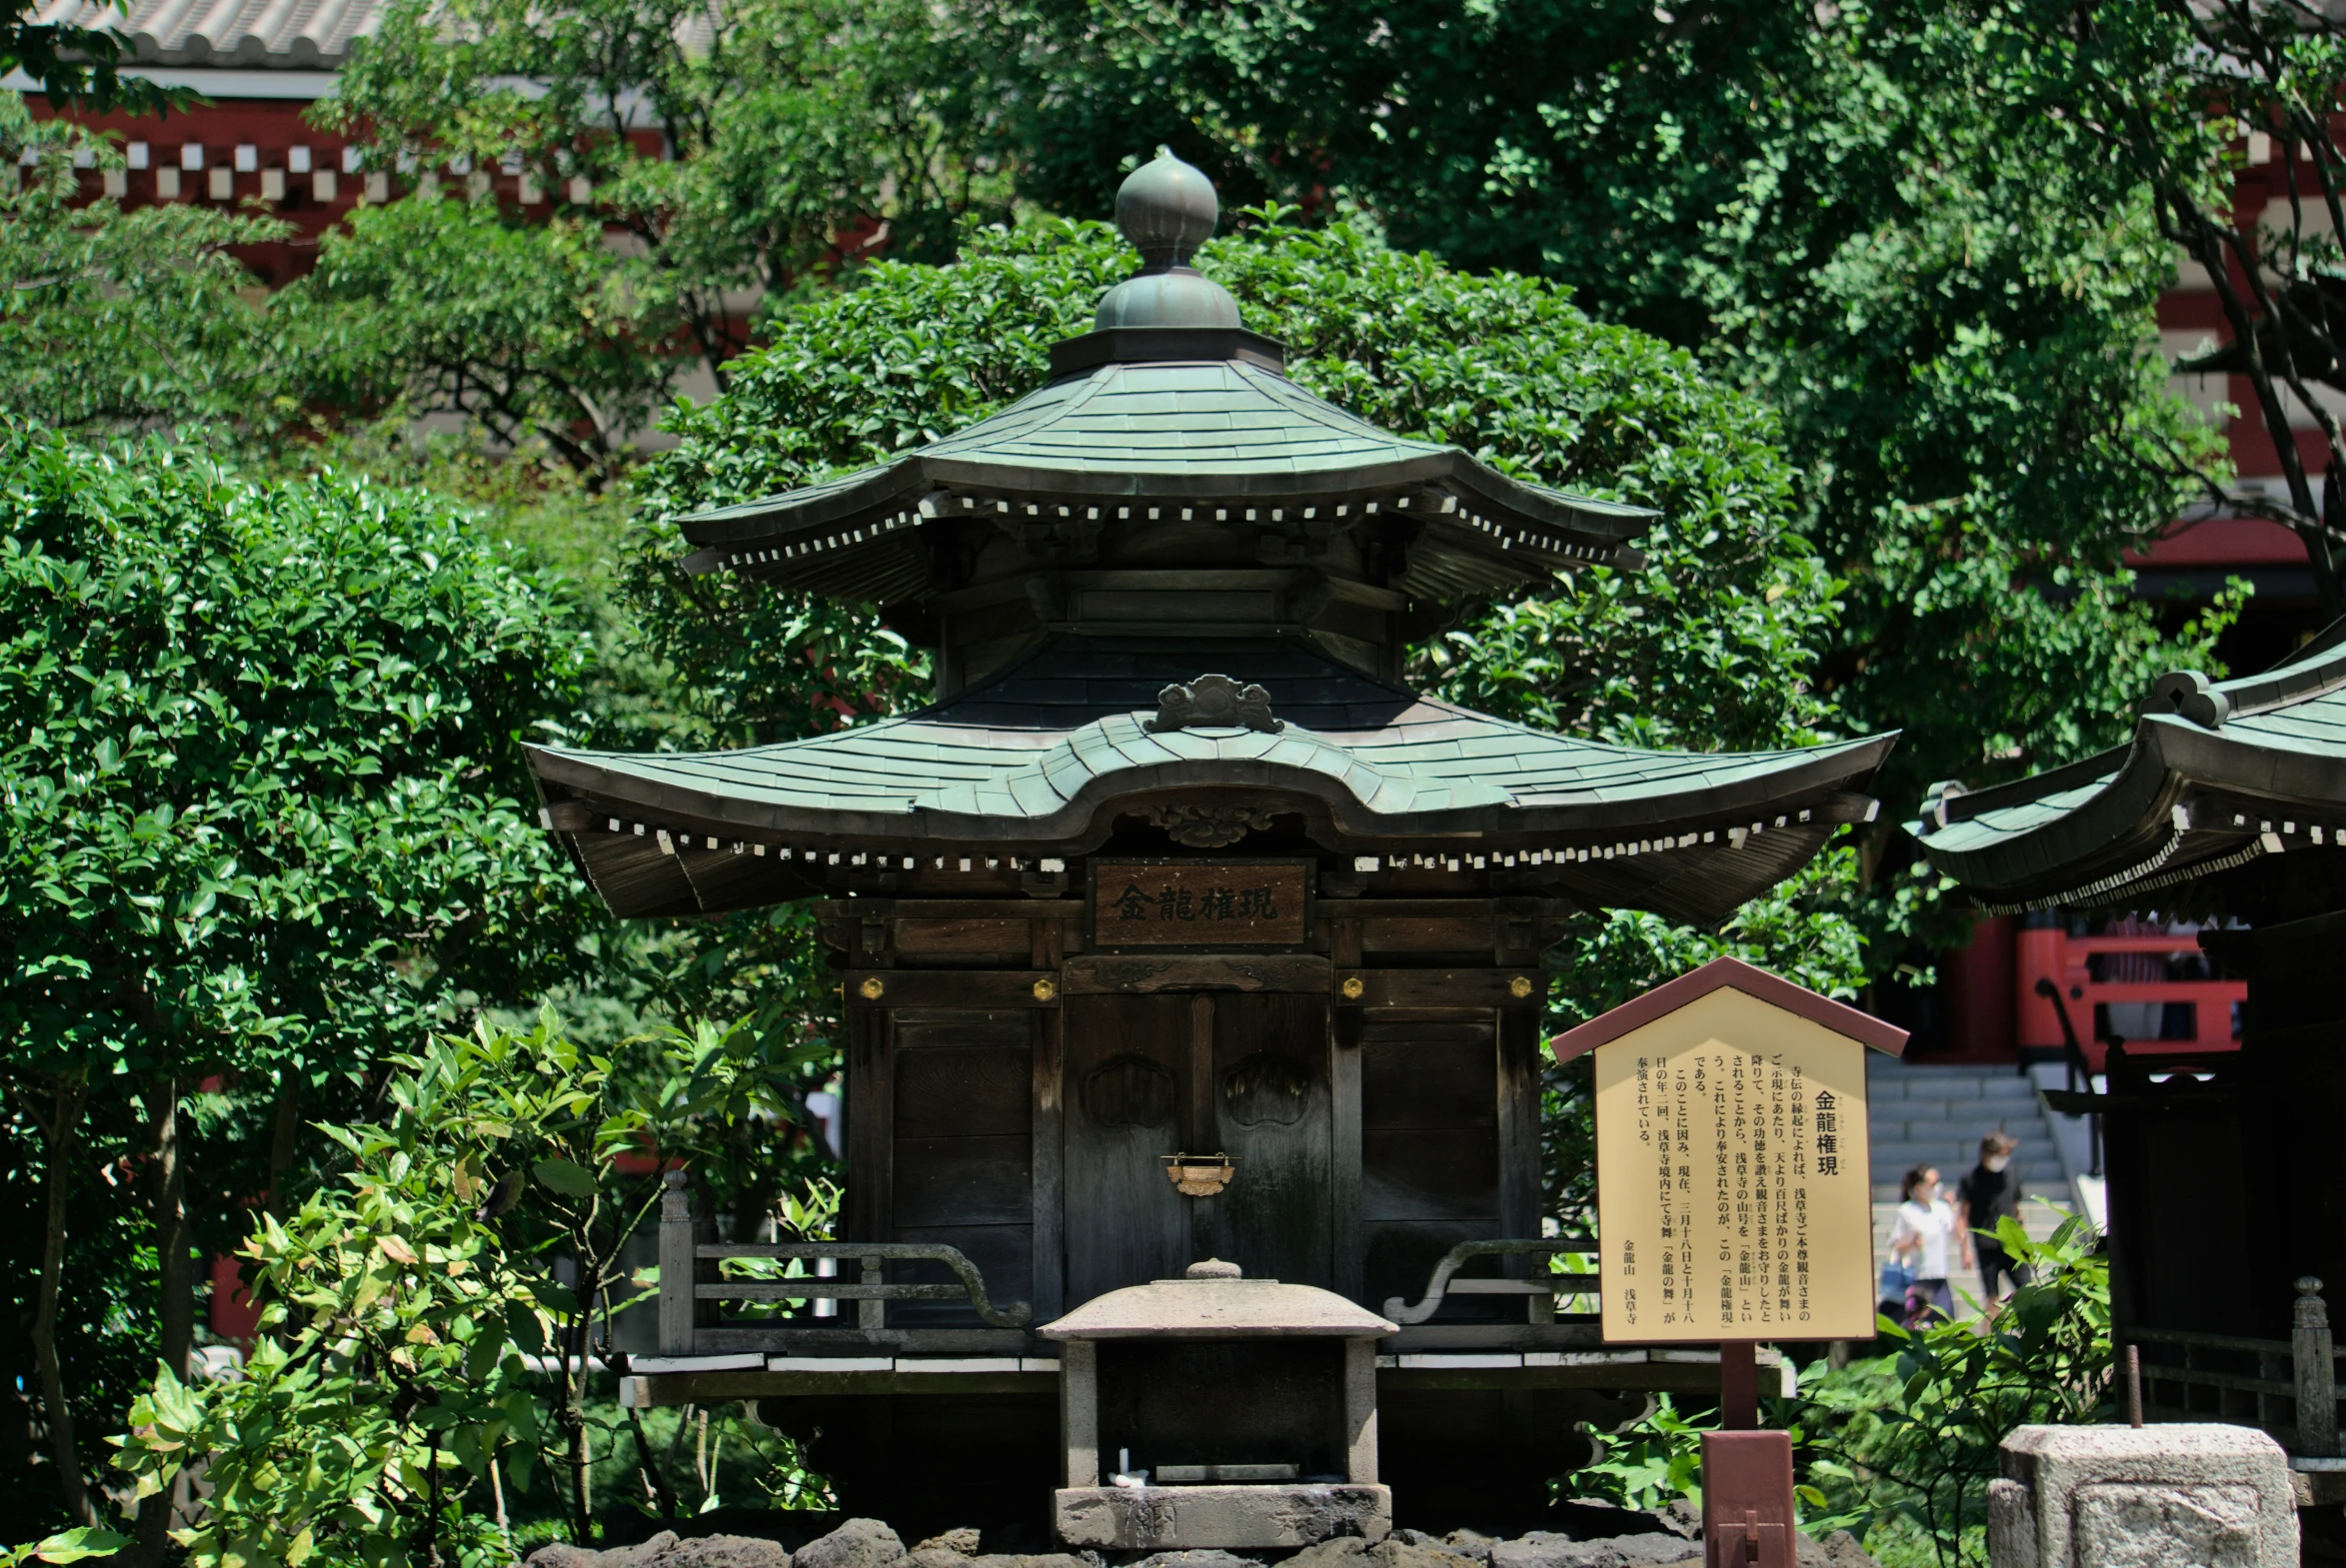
{"points": [[1927, 1235]]}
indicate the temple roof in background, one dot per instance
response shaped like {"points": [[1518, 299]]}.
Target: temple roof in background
{"points": [[303, 35], [2217, 775]]}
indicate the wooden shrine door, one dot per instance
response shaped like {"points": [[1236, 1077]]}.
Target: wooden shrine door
{"points": [[1199, 1073]]}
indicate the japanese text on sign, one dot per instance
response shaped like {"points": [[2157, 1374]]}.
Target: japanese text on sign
{"points": [[1731, 1180]]}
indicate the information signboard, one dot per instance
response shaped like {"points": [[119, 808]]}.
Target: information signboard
{"points": [[1733, 1194]]}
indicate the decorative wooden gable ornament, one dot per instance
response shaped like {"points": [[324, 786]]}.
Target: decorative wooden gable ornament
{"points": [[1733, 1195]]}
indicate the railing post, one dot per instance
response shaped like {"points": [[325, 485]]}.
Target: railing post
{"points": [[872, 1313], [678, 1306], [2317, 1373]]}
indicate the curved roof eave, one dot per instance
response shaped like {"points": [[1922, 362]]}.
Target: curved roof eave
{"points": [[2133, 812], [1824, 769], [895, 489]]}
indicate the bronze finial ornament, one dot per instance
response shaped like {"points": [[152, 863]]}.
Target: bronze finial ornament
{"points": [[1167, 208]]}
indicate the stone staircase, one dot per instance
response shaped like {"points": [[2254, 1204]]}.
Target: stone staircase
{"points": [[1923, 1115]]}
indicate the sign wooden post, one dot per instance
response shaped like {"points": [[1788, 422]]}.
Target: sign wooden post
{"points": [[1735, 1202]]}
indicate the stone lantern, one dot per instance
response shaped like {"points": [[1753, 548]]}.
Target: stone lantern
{"points": [[1239, 1413]]}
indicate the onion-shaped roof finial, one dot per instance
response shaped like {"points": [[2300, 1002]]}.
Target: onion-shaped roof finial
{"points": [[1167, 208]]}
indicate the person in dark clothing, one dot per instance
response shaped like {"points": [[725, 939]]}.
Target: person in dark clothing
{"points": [[1990, 1191]]}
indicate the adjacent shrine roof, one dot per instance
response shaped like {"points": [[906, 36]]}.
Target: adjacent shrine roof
{"points": [[2217, 775], [1042, 761]]}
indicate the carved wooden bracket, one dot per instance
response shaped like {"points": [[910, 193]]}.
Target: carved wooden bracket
{"points": [[1202, 826], [1213, 702]]}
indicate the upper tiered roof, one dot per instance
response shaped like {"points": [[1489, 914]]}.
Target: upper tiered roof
{"points": [[1166, 409]]}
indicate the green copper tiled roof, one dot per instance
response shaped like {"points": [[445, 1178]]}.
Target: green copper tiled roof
{"points": [[1026, 763], [927, 779], [1229, 431], [2183, 800]]}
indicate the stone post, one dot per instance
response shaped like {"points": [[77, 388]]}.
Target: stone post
{"points": [[2094, 1496], [1360, 1443], [2317, 1373], [678, 1307]]}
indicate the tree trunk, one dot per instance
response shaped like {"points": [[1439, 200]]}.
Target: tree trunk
{"points": [[56, 1414], [176, 1312], [580, 1453], [284, 1138]]}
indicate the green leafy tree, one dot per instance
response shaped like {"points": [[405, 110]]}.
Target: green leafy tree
{"points": [[258, 821], [721, 158], [2219, 121], [113, 320], [528, 329], [77, 66]]}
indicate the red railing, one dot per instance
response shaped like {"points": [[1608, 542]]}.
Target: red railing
{"points": [[2067, 961]]}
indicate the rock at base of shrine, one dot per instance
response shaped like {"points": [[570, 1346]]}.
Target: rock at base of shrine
{"points": [[1233, 1518], [665, 1550], [1392, 1552], [1213, 1557], [1837, 1550], [1540, 1549], [2142, 1497], [858, 1543], [964, 1542]]}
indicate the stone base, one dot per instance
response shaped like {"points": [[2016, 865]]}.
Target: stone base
{"points": [[1162, 1518], [2142, 1497]]}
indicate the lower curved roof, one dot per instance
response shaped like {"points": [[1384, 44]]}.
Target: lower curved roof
{"points": [[2216, 775], [1042, 760]]}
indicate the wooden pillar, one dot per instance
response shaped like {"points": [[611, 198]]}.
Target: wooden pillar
{"points": [[1738, 1385], [1519, 1127], [1348, 1226], [871, 1140], [2314, 1358], [1050, 1134], [1360, 1411], [1078, 1410], [867, 1214]]}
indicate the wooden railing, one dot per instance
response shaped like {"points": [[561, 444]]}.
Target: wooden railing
{"points": [[2292, 1394], [2052, 957], [1541, 1291], [691, 1283]]}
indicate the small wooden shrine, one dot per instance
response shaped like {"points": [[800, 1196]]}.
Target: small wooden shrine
{"points": [[1178, 929], [2227, 807]]}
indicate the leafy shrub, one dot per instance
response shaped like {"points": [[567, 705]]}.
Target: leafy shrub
{"points": [[1906, 1445], [426, 1319]]}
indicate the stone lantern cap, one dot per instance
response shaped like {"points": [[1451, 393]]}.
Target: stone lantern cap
{"points": [[1215, 1302]]}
